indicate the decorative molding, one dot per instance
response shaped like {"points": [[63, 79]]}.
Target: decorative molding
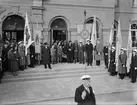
{"points": [[37, 8], [123, 12], [79, 5]]}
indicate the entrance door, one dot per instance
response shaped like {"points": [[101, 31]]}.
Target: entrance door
{"points": [[59, 35], [13, 29], [58, 30]]}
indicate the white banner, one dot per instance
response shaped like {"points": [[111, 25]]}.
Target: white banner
{"points": [[37, 39], [80, 28]]}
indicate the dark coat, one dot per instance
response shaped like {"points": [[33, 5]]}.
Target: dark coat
{"points": [[105, 51], [45, 55], [133, 71], [89, 50], [122, 64], [14, 62], [32, 55], [112, 65], [98, 52], [89, 99]]}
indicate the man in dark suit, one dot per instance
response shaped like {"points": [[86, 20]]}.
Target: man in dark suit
{"points": [[46, 55], [133, 66], [112, 64], [89, 52], [105, 51], [84, 94]]}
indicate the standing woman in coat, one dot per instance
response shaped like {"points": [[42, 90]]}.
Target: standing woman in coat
{"points": [[122, 64], [46, 55], [98, 52]]}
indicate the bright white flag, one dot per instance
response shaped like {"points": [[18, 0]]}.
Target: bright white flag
{"points": [[94, 33], [129, 49], [111, 35], [37, 38], [27, 34], [118, 44], [80, 28]]}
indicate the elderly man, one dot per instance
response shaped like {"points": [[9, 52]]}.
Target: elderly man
{"points": [[84, 94]]}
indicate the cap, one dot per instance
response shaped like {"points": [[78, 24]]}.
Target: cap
{"points": [[85, 77], [87, 39], [113, 47], [134, 49], [122, 48], [80, 41]]}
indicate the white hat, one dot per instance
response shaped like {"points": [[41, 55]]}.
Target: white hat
{"points": [[80, 41], [88, 40], [113, 47], [85, 77]]}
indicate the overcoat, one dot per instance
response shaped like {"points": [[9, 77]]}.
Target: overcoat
{"points": [[112, 65], [133, 71], [122, 64], [21, 52], [45, 55], [14, 61], [98, 52], [89, 99]]}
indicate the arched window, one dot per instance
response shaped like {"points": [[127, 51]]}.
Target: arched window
{"points": [[134, 34], [115, 32], [90, 21]]}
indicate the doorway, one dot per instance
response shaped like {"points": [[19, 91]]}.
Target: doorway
{"points": [[58, 30], [13, 29], [59, 35]]}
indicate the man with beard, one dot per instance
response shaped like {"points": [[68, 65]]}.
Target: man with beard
{"points": [[84, 94]]}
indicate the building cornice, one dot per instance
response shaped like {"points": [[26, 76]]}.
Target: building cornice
{"points": [[37, 8], [78, 5]]}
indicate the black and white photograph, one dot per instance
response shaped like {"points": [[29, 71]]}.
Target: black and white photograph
{"points": [[68, 52]]}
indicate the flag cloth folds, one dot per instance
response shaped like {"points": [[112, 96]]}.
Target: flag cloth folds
{"points": [[118, 44], [111, 35], [94, 33], [37, 38], [27, 34], [110, 40], [129, 49]]}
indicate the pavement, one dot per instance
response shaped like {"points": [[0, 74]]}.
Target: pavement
{"points": [[37, 86]]}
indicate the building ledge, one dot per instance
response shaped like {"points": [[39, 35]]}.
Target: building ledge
{"points": [[38, 7]]}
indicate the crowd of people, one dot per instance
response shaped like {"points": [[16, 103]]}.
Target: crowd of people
{"points": [[13, 55]]}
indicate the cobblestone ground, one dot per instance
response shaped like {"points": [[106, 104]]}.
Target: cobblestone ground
{"points": [[57, 86]]}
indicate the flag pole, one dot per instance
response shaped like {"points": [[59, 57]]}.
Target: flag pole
{"points": [[85, 13]]}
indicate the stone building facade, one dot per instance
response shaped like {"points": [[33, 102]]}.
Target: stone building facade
{"points": [[58, 19]]}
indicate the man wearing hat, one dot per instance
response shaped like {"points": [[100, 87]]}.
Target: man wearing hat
{"points": [[84, 94], [89, 52], [98, 52], [122, 59], [105, 51], [81, 52], [133, 66], [46, 55], [112, 64]]}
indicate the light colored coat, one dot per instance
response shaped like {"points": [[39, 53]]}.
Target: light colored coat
{"points": [[122, 64]]}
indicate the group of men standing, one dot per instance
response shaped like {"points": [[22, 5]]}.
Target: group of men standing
{"points": [[119, 67]]}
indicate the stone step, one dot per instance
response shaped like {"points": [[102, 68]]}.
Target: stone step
{"points": [[45, 76]]}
